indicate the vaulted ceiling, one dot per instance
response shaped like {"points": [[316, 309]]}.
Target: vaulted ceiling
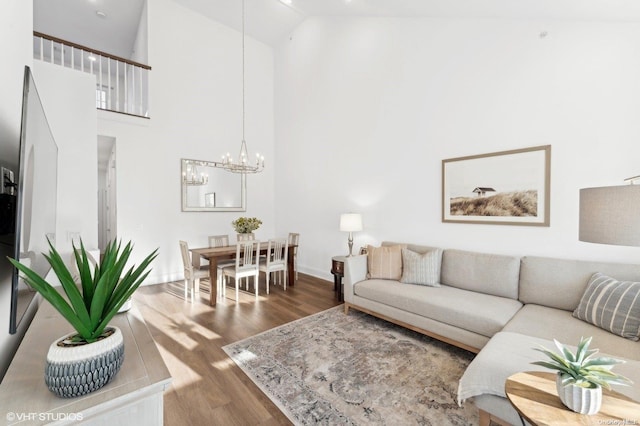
{"points": [[79, 21], [271, 20]]}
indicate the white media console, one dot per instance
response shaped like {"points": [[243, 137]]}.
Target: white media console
{"points": [[134, 396]]}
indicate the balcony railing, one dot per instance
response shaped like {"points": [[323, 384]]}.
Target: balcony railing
{"points": [[121, 85]]}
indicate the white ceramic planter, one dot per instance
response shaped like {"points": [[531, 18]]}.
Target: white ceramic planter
{"points": [[579, 399], [74, 370]]}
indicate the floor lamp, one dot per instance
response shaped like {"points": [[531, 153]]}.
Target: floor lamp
{"points": [[610, 215]]}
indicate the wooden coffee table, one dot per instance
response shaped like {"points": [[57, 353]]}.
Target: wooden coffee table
{"points": [[533, 394]]}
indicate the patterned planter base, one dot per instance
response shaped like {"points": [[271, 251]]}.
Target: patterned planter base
{"points": [[78, 369]]}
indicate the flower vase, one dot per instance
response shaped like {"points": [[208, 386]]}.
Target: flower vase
{"points": [[246, 236]]}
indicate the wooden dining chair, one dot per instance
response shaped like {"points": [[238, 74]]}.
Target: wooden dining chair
{"points": [[221, 241], [218, 240], [276, 259], [214, 241], [192, 276], [246, 265], [294, 239]]}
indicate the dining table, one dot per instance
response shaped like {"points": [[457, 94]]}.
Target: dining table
{"points": [[215, 254]]}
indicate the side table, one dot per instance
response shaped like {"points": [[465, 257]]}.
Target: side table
{"points": [[337, 269], [533, 394]]}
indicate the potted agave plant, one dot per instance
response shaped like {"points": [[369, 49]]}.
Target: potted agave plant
{"points": [[86, 360], [581, 377]]}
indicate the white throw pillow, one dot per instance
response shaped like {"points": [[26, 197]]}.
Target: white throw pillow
{"points": [[421, 268]]}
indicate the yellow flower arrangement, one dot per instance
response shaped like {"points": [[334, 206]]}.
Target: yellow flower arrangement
{"points": [[245, 225]]}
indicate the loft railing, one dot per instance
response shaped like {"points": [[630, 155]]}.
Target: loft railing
{"points": [[121, 85]]}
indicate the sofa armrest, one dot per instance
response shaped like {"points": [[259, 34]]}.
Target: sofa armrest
{"points": [[355, 270]]}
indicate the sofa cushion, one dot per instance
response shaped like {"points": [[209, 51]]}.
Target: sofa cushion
{"points": [[508, 353], [611, 305], [477, 312], [560, 283], [421, 268], [480, 272], [505, 354], [384, 262], [550, 323]]}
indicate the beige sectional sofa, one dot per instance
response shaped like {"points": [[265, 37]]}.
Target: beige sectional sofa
{"points": [[500, 307]]}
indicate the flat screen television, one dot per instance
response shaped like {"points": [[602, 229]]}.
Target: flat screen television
{"points": [[28, 192]]}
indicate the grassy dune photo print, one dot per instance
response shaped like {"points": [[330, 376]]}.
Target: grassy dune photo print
{"points": [[518, 203], [507, 188]]}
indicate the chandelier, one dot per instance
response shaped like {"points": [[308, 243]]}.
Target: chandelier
{"points": [[193, 178], [243, 164]]}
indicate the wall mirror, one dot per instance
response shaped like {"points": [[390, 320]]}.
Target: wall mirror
{"points": [[208, 188]]}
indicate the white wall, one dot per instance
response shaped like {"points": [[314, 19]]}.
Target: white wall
{"points": [[367, 108], [68, 99], [16, 26], [140, 51], [195, 113]]}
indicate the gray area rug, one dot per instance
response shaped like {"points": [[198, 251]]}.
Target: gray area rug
{"points": [[330, 369]]}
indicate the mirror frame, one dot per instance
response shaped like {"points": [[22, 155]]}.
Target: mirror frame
{"points": [[215, 164]]}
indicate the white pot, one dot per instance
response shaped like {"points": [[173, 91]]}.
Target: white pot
{"points": [[77, 369], [579, 399]]}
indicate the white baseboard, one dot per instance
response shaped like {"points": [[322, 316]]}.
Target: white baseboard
{"points": [[318, 273], [166, 278]]}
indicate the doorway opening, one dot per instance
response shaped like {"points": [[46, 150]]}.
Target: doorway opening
{"points": [[107, 191]]}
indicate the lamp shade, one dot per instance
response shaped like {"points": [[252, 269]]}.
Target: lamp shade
{"points": [[351, 222], [610, 215]]}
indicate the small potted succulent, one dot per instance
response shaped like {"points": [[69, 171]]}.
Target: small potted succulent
{"points": [[581, 377], [86, 360], [246, 225]]}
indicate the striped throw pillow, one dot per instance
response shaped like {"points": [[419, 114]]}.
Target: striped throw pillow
{"points": [[385, 262], [421, 268], [611, 305]]}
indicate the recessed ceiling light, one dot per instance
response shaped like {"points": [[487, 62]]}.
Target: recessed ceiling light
{"points": [[287, 2], [101, 14], [91, 58]]}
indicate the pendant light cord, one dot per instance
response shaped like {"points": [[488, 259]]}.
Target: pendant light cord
{"points": [[243, 70], [243, 165]]}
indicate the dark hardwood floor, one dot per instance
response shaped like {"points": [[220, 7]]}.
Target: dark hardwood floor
{"points": [[208, 387]]}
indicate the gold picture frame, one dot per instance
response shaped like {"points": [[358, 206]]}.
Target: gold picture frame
{"points": [[498, 188]]}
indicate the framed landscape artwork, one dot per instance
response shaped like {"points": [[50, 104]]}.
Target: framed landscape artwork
{"points": [[505, 188]]}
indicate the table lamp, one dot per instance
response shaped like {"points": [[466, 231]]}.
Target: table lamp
{"points": [[351, 222], [611, 215]]}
